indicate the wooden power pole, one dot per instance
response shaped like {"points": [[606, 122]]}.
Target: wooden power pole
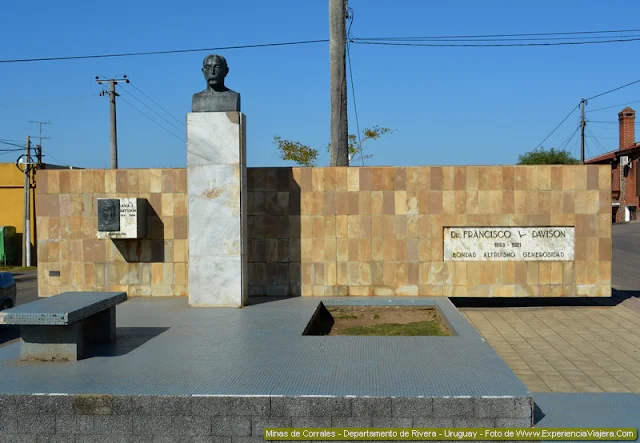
{"points": [[112, 100], [338, 66], [583, 123]]}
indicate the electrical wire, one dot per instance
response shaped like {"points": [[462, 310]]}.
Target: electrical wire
{"points": [[555, 129], [353, 91], [586, 147], [127, 102], [614, 106], [512, 35], [175, 51], [601, 127], [476, 39], [155, 103], [56, 159], [612, 90], [393, 41], [597, 142], [491, 45], [565, 143], [12, 144], [152, 110]]}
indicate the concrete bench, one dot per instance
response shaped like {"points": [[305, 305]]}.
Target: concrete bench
{"points": [[61, 327]]}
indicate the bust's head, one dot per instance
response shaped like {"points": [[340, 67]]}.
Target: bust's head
{"points": [[215, 69]]}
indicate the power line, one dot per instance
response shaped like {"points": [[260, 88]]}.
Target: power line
{"points": [[175, 51], [565, 143], [601, 127], [491, 45], [57, 159], [614, 106], [369, 40], [614, 89], [511, 35], [11, 144], [152, 110], [589, 151], [554, 129], [595, 139], [483, 39], [564, 147], [155, 103], [353, 90], [127, 102]]}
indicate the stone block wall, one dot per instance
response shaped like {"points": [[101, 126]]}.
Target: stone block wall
{"points": [[336, 231], [379, 230], [238, 419], [67, 225]]}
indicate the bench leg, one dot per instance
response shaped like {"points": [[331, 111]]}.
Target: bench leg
{"points": [[51, 342], [100, 328]]}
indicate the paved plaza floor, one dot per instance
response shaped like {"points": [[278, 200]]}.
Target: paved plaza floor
{"points": [[164, 347], [567, 348]]}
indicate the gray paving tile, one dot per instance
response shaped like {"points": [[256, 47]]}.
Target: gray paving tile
{"points": [[260, 350]]}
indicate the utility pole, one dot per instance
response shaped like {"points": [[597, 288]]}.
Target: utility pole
{"points": [[583, 123], [112, 100], [338, 88], [26, 244]]}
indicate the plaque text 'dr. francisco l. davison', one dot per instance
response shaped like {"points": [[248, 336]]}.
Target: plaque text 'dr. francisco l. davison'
{"points": [[509, 243]]}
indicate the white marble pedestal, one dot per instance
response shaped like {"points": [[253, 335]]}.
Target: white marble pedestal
{"points": [[216, 178]]}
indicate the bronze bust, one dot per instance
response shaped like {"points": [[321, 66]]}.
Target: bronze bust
{"points": [[217, 97]]}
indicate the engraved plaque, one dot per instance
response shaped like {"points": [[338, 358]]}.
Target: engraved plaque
{"points": [[122, 218], [528, 243], [108, 215]]}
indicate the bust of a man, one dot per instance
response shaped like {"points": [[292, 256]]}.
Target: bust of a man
{"points": [[217, 97]]}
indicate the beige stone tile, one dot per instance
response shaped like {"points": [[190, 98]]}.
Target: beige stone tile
{"points": [[609, 384], [558, 384]]}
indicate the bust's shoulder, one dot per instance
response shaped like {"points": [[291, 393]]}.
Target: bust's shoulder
{"points": [[201, 94]]}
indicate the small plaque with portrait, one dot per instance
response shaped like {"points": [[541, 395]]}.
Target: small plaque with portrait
{"points": [[122, 218], [108, 214]]}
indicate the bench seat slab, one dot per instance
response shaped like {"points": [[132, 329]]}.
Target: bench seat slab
{"points": [[67, 342]]}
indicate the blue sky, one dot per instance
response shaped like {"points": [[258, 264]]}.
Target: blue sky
{"points": [[445, 105]]}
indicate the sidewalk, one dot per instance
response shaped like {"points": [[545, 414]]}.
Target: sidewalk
{"points": [[566, 349]]}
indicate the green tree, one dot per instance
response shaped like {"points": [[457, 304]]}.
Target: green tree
{"points": [[305, 155], [550, 157], [296, 152]]}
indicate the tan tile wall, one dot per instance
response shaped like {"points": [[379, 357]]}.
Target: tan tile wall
{"points": [[336, 231], [378, 231], [67, 224]]}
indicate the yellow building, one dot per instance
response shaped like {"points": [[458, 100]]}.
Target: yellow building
{"points": [[12, 204]]}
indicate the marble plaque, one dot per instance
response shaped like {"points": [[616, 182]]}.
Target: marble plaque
{"points": [[509, 243], [131, 217]]}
